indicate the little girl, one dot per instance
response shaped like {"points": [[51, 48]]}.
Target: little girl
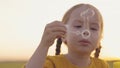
{"points": [[81, 30]]}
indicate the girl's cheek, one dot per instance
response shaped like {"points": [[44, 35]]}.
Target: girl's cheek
{"points": [[95, 36], [71, 35]]}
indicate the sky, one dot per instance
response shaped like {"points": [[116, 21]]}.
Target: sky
{"points": [[22, 24]]}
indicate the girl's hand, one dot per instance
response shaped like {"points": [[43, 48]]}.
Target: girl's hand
{"points": [[52, 31]]}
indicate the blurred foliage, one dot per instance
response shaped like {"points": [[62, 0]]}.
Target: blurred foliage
{"points": [[12, 64]]}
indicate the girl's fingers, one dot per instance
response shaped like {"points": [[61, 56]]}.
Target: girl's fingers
{"points": [[51, 37], [52, 31], [55, 24], [58, 34], [57, 29]]}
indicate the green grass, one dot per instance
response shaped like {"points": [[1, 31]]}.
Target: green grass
{"points": [[12, 64], [116, 64]]}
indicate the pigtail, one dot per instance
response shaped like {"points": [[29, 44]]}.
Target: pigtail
{"points": [[97, 52], [58, 46]]}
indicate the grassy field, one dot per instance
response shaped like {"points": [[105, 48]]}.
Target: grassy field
{"points": [[21, 64], [12, 64], [116, 64]]}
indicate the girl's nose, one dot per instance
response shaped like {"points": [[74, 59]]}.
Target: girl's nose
{"points": [[85, 34]]}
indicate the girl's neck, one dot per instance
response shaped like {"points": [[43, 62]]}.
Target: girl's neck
{"points": [[79, 60]]}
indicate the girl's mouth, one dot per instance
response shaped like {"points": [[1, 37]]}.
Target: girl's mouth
{"points": [[84, 42]]}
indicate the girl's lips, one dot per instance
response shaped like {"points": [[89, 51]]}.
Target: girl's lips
{"points": [[86, 42]]}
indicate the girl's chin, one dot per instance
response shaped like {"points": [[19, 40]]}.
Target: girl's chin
{"points": [[84, 50]]}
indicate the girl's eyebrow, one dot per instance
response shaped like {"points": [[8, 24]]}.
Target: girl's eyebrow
{"points": [[95, 24], [78, 21]]}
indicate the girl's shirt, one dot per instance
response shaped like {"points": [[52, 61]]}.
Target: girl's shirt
{"points": [[60, 61]]}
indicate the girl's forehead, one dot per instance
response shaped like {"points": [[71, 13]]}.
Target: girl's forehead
{"points": [[83, 12]]}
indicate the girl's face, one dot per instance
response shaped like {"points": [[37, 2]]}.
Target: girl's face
{"points": [[83, 30]]}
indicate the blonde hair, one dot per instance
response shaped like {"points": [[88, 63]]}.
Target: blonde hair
{"points": [[65, 20]]}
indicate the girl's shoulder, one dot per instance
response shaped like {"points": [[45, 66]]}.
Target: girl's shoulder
{"points": [[55, 58], [99, 62]]}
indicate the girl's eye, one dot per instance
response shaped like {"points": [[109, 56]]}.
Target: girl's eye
{"points": [[79, 26], [94, 29]]}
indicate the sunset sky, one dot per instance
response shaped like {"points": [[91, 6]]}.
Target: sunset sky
{"points": [[22, 23]]}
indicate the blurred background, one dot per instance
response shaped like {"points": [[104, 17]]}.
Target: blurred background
{"points": [[22, 23]]}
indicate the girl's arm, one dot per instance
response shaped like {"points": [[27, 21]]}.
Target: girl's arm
{"points": [[52, 31], [38, 58]]}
